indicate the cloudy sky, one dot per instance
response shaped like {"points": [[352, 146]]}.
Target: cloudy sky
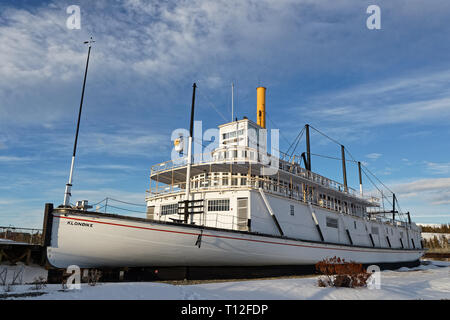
{"points": [[384, 94]]}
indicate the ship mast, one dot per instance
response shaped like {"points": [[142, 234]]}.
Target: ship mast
{"points": [[189, 160], [308, 149], [232, 102], [67, 193], [360, 179]]}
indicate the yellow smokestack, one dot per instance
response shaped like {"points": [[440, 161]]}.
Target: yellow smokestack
{"points": [[261, 106]]}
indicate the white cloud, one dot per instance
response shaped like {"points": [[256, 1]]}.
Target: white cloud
{"points": [[12, 159], [119, 167], [126, 142], [434, 191], [424, 185], [438, 168], [373, 156], [420, 97], [143, 43], [390, 113]]}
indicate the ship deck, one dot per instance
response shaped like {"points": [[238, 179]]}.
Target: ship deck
{"points": [[173, 175]]}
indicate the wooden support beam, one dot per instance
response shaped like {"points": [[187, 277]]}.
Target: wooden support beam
{"points": [[28, 257], [48, 224]]}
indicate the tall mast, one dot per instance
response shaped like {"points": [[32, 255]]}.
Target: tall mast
{"points": [[360, 179], [344, 170], [232, 102], [393, 206], [67, 193], [308, 149], [189, 160]]}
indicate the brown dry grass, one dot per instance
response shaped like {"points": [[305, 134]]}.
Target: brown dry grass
{"points": [[339, 273]]}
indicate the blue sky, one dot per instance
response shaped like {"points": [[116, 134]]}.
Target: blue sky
{"points": [[384, 94]]}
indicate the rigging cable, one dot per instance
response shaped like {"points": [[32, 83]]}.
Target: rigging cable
{"points": [[400, 213], [125, 209], [325, 135], [130, 203], [213, 105], [298, 138], [275, 126], [377, 179], [365, 168], [99, 202], [333, 158]]}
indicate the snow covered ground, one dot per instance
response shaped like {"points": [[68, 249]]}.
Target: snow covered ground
{"points": [[8, 241], [21, 272], [430, 281]]}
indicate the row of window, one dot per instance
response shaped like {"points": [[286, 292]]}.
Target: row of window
{"points": [[213, 205], [169, 209], [273, 184], [338, 205], [206, 180], [231, 154], [232, 134]]}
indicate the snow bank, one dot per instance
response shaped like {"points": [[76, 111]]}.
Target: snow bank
{"points": [[428, 281], [28, 273]]}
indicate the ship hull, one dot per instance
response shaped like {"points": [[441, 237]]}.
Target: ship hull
{"points": [[93, 240]]}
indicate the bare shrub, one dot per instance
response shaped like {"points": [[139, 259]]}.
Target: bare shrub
{"points": [[93, 276], [18, 276], [39, 283], [65, 277], [8, 288], [339, 273], [3, 276]]}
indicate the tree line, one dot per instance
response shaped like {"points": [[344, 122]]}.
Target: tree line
{"points": [[443, 228]]}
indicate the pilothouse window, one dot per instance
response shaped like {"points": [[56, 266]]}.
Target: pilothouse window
{"points": [[232, 134]]}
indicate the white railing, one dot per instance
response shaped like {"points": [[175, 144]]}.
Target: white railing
{"points": [[252, 157]]}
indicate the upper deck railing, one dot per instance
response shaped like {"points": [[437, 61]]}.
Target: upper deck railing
{"points": [[237, 155]]}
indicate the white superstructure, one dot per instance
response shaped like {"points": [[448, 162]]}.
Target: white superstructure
{"points": [[232, 193]]}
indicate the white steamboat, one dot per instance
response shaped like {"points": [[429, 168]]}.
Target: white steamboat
{"points": [[236, 206]]}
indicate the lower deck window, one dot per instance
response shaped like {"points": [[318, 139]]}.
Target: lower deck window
{"points": [[169, 209], [219, 205]]}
